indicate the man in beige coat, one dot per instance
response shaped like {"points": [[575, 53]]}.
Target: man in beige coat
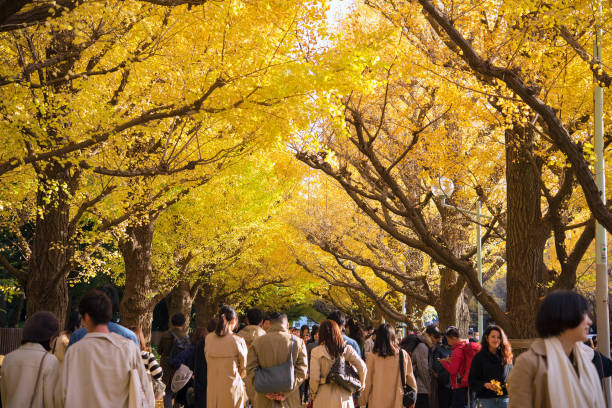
{"points": [[97, 370], [274, 349], [253, 330]]}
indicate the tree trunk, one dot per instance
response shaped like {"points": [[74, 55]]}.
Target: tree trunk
{"points": [[526, 235], [138, 300], [463, 312], [180, 300], [206, 307], [448, 307], [16, 309], [52, 243]]}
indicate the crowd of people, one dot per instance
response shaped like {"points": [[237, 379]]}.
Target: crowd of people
{"points": [[264, 363]]}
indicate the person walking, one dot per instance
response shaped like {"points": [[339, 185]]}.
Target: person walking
{"points": [[356, 333], [490, 368], [253, 329], [194, 358], [155, 372], [304, 388], [114, 327], [432, 335], [557, 370], [420, 365], [383, 388], [61, 342], [273, 349], [226, 356], [102, 369], [332, 345], [340, 319], [171, 343], [249, 333], [442, 351], [29, 375], [458, 366]]}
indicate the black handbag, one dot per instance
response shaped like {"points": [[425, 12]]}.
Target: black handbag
{"points": [[343, 374], [409, 394]]}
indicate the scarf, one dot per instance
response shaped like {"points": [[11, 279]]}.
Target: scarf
{"points": [[565, 388]]}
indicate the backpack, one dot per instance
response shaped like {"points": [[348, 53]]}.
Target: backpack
{"points": [[178, 344], [469, 350]]}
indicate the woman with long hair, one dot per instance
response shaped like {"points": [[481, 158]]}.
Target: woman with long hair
{"points": [[383, 388], [490, 368], [557, 370], [331, 346], [356, 333], [226, 356]]}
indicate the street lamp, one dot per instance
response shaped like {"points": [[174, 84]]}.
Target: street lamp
{"points": [[444, 189]]}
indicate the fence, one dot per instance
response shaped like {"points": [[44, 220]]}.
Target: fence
{"points": [[10, 339]]}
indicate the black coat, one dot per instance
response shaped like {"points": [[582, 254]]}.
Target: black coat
{"points": [[193, 357], [603, 365], [441, 351], [486, 367]]}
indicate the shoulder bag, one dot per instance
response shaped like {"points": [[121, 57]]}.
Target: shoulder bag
{"points": [[279, 378], [344, 374], [42, 360], [409, 395]]}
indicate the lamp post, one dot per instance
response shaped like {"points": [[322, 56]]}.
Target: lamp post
{"points": [[601, 255], [445, 189]]}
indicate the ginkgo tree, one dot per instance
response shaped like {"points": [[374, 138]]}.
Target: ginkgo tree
{"points": [[122, 108], [387, 142]]}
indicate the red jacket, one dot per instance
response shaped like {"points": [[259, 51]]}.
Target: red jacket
{"points": [[460, 362]]}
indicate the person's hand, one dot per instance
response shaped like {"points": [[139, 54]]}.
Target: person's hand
{"points": [[494, 386], [490, 386], [276, 396], [446, 359]]}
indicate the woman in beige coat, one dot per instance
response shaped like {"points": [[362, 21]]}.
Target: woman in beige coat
{"points": [[226, 356], [29, 375], [557, 370], [383, 387], [331, 345]]}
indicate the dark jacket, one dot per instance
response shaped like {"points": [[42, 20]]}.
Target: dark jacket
{"points": [[487, 366], [441, 351], [603, 365], [165, 349], [194, 358]]}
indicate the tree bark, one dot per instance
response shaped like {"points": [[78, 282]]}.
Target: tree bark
{"points": [[180, 300], [451, 287], [52, 243], [463, 312], [206, 307], [138, 300], [526, 234]]}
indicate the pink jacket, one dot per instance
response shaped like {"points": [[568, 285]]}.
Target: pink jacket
{"points": [[460, 362]]}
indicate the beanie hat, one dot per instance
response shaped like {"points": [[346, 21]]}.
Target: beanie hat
{"points": [[40, 327]]}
